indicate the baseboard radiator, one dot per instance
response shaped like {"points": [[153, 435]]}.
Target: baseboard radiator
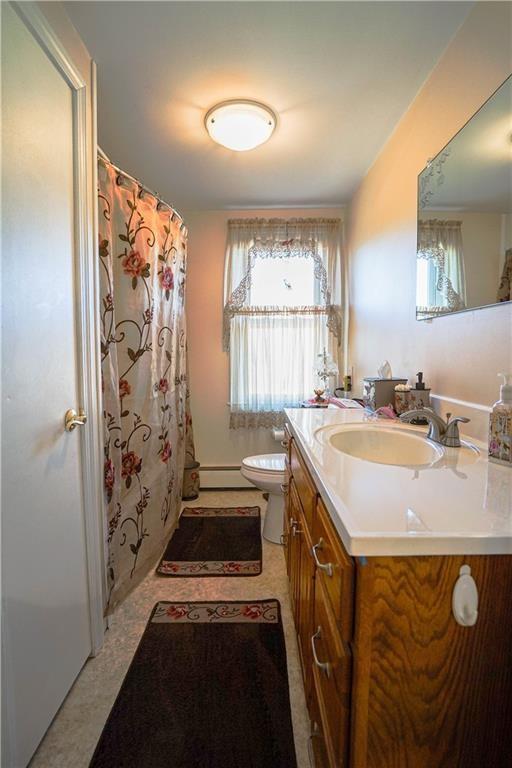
{"points": [[223, 477]]}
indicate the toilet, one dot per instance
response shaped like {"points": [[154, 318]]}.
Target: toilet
{"points": [[266, 472]]}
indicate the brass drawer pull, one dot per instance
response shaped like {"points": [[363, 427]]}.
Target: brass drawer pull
{"points": [[323, 665], [284, 487], [327, 567]]}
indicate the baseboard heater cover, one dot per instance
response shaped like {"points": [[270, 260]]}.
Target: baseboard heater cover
{"points": [[223, 477]]}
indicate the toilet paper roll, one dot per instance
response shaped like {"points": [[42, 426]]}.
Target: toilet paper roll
{"points": [[278, 434]]}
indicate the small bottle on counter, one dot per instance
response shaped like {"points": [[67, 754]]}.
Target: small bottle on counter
{"points": [[412, 398], [500, 424], [419, 396]]}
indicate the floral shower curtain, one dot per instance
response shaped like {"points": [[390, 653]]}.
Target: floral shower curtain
{"points": [[147, 424]]}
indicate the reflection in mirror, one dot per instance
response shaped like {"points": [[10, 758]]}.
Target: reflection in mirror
{"points": [[464, 255]]}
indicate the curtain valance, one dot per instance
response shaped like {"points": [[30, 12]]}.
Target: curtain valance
{"points": [[253, 239]]}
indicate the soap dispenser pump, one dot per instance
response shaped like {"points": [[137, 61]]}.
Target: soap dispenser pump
{"points": [[500, 425]]}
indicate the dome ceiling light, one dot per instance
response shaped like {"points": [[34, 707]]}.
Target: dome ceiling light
{"points": [[240, 125]]}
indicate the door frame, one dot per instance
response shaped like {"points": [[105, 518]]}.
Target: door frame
{"points": [[86, 303]]}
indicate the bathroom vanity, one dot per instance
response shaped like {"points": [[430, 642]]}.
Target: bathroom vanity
{"points": [[374, 550]]}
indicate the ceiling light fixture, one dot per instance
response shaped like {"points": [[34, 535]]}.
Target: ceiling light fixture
{"points": [[240, 125]]}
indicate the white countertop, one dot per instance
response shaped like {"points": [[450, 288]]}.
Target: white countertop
{"points": [[446, 509]]}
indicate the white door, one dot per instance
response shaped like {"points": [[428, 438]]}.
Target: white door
{"points": [[46, 621]]}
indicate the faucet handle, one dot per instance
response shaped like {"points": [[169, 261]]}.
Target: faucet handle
{"points": [[456, 419], [451, 436]]}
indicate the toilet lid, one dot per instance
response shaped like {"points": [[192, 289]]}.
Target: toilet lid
{"points": [[265, 462]]}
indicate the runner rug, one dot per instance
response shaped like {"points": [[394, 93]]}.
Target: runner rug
{"points": [[214, 541], [207, 688]]}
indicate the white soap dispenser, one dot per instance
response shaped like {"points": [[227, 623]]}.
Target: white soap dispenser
{"points": [[500, 425]]}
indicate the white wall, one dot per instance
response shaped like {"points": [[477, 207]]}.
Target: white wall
{"points": [[460, 354], [216, 444]]}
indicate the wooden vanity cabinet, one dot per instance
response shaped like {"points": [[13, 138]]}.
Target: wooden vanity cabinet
{"points": [[317, 747], [294, 528], [300, 569], [335, 571], [391, 679]]}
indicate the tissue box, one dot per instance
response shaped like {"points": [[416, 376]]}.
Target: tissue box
{"points": [[380, 392]]}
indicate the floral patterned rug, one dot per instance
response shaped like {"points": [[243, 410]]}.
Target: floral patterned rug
{"points": [[214, 541], [208, 686]]}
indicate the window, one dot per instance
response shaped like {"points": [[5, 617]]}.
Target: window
{"points": [[440, 274], [286, 282], [282, 308], [426, 280]]}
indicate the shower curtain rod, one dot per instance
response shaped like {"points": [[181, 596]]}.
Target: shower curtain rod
{"points": [[105, 158]]}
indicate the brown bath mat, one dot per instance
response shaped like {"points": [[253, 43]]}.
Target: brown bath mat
{"points": [[208, 686], [214, 541]]}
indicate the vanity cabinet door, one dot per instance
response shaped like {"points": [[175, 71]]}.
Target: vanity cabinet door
{"points": [[305, 605], [317, 748], [287, 442], [335, 569], [332, 674], [303, 483], [287, 513], [293, 544]]}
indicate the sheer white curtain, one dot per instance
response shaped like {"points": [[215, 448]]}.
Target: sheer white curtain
{"points": [[441, 285], [283, 288]]}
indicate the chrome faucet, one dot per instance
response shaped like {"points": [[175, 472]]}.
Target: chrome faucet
{"points": [[440, 431]]}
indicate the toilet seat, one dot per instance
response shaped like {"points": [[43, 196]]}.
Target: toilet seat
{"points": [[266, 463], [267, 472]]}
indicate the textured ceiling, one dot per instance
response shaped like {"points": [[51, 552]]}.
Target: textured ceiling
{"points": [[338, 74]]}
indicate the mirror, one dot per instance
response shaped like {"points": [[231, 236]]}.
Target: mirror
{"points": [[464, 253]]}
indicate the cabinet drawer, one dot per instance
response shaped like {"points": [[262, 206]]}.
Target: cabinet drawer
{"points": [[286, 525], [317, 747], [293, 544], [332, 672], [305, 604], [305, 488], [334, 569]]}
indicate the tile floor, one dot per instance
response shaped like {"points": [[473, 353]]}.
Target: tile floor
{"points": [[72, 737]]}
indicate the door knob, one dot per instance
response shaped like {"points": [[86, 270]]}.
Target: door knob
{"points": [[73, 419]]}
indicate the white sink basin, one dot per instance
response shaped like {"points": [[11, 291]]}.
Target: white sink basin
{"points": [[401, 448]]}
